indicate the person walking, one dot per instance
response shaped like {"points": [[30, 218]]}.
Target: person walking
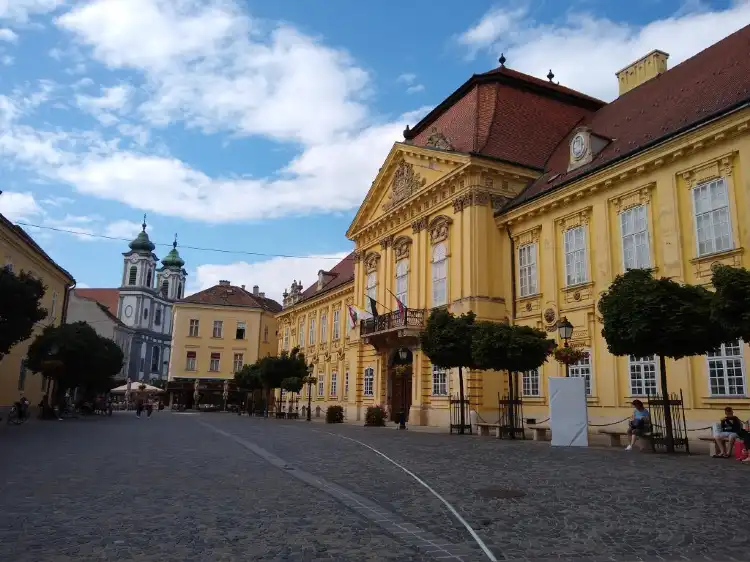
{"points": [[138, 406], [149, 407]]}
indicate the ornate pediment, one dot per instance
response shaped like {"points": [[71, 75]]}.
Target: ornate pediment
{"points": [[404, 184], [438, 140]]}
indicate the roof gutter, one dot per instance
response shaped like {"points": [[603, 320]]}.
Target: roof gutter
{"points": [[744, 104], [66, 302]]}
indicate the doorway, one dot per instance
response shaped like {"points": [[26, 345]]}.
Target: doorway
{"points": [[400, 374]]}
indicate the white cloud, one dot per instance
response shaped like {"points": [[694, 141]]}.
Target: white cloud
{"points": [[125, 229], [584, 51], [21, 10], [415, 89], [8, 35], [112, 101], [272, 276], [410, 79], [17, 206]]}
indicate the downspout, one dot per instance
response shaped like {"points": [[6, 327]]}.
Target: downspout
{"points": [[512, 276], [66, 301]]}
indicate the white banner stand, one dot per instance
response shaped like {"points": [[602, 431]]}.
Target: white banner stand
{"points": [[568, 414]]}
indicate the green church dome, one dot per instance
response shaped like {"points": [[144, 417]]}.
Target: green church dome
{"points": [[173, 259], [142, 243]]}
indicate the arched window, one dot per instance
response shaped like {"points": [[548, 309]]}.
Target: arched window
{"points": [[439, 275], [148, 279], [157, 317], [179, 291], [402, 281], [372, 290], [133, 275], [165, 288], [145, 313], [155, 360]]}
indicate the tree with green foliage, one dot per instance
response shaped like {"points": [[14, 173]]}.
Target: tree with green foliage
{"points": [[512, 348], [74, 355], [730, 306], [20, 310], [446, 341], [644, 316], [248, 379]]}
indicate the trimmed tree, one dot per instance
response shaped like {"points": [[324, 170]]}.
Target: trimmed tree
{"points": [[512, 348], [248, 378], [730, 306], [645, 316], [20, 296], [446, 341]]}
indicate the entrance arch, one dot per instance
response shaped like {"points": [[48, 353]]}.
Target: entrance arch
{"points": [[400, 379]]}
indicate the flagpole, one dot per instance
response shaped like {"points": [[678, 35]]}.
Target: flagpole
{"points": [[376, 302]]}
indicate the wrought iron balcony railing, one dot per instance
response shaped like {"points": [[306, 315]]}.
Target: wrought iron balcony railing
{"points": [[410, 318]]}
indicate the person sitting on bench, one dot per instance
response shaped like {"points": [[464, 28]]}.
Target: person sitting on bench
{"points": [[731, 428], [639, 424]]}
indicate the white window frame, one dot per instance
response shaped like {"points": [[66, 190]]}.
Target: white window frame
{"points": [[191, 363], [218, 329], [640, 371], [637, 217], [527, 272], [368, 386], [241, 326], [334, 383], [302, 333], [371, 290], [336, 324], [577, 256], [312, 332], [440, 376], [238, 362], [194, 330], [585, 370], [711, 215], [214, 364], [530, 380], [402, 281], [286, 339], [439, 274], [321, 385], [721, 358], [324, 327]]}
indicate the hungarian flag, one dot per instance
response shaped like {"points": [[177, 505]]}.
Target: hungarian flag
{"points": [[357, 314], [401, 307]]}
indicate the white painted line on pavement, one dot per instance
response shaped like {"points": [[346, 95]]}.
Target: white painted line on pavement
{"points": [[447, 504]]}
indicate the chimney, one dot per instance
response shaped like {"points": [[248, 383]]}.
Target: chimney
{"points": [[224, 283], [255, 290], [642, 70], [262, 295], [243, 287]]}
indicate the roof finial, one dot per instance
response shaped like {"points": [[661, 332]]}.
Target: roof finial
{"points": [[174, 244], [502, 60], [550, 76], [144, 222]]}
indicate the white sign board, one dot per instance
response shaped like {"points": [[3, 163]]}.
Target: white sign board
{"points": [[568, 415]]}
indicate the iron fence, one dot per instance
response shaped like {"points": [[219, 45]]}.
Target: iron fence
{"points": [[456, 407], [510, 416], [409, 318], [663, 420]]}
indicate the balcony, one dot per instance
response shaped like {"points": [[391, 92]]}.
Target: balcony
{"points": [[386, 329]]}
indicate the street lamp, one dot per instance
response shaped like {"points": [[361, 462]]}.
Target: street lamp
{"points": [[565, 329], [309, 390], [403, 353]]}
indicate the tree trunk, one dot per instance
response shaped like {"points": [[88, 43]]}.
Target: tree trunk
{"points": [[669, 429], [511, 406], [462, 419]]}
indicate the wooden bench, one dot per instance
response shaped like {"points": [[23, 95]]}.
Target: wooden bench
{"points": [[538, 432], [712, 442], [484, 429]]}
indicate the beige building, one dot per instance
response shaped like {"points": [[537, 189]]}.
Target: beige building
{"points": [[216, 332], [19, 252]]}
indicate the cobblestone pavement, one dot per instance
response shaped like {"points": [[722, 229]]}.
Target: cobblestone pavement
{"points": [[223, 487]]}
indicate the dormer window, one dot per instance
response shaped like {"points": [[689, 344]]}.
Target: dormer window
{"points": [[584, 146]]}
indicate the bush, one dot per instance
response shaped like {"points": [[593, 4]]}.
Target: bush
{"points": [[335, 414], [375, 416]]}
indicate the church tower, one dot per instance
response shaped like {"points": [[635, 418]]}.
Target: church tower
{"points": [[170, 279]]}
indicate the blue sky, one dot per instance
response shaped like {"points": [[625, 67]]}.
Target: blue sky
{"points": [[252, 126]]}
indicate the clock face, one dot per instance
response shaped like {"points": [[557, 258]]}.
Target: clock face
{"points": [[128, 311], [578, 146]]}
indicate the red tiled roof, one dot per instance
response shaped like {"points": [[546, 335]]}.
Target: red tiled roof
{"points": [[229, 295], [340, 274], [507, 115], [701, 88], [108, 298]]}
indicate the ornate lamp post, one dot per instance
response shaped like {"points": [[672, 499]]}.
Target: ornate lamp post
{"points": [[565, 329], [403, 353], [310, 380]]}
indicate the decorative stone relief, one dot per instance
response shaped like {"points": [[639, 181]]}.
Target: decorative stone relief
{"points": [[401, 247], [478, 197], [574, 220], [528, 237], [356, 256], [405, 183], [439, 228], [438, 140], [640, 196], [419, 225], [386, 242], [371, 262], [703, 266], [720, 167], [574, 295]]}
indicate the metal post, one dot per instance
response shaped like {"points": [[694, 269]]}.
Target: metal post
{"points": [[567, 366], [668, 426], [511, 413], [309, 399], [402, 415]]}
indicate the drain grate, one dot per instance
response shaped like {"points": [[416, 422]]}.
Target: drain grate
{"points": [[501, 493]]}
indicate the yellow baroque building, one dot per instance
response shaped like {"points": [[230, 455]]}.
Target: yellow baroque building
{"points": [[215, 332], [521, 200], [19, 252]]}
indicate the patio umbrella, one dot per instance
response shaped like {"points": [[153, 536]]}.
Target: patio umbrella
{"points": [[136, 387]]}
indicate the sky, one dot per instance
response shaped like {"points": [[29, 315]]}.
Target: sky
{"points": [[251, 129]]}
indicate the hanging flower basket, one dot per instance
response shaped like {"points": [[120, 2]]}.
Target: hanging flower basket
{"points": [[570, 355]]}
